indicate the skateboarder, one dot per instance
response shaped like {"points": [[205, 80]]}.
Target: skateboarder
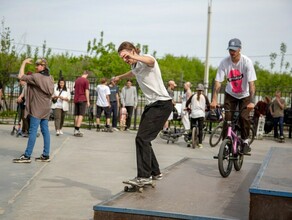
{"points": [[158, 107]]}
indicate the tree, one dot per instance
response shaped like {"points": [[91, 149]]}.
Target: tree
{"points": [[273, 57], [283, 50], [8, 60]]}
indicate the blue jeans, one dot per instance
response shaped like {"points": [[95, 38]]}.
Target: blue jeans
{"points": [[114, 110], [280, 121], [34, 124]]}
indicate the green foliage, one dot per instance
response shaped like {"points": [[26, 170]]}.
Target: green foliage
{"points": [[103, 60], [183, 69]]}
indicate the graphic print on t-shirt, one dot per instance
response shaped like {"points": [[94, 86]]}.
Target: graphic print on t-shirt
{"points": [[235, 79]]}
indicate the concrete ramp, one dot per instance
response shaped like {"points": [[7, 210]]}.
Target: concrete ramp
{"points": [[190, 189], [271, 191]]}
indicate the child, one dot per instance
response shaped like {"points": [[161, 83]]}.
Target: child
{"points": [[123, 117]]}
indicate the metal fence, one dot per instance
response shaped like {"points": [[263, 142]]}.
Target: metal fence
{"points": [[12, 91]]}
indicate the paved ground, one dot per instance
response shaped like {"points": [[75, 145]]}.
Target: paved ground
{"points": [[83, 171]]}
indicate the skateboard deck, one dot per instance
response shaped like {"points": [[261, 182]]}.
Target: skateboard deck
{"points": [[78, 135], [281, 140], [260, 128], [131, 187]]}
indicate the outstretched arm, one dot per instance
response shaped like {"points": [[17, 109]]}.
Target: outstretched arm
{"points": [[126, 55], [22, 67]]}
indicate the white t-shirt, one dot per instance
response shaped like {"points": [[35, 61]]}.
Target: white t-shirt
{"points": [[238, 76], [102, 91], [198, 107], [150, 82]]}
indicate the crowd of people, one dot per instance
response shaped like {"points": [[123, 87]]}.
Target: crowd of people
{"points": [[39, 96]]}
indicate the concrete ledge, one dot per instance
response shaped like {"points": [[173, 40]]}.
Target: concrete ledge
{"points": [[191, 189], [271, 190], [114, 213]]}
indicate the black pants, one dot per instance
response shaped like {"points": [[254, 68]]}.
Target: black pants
{"points": [[152, 121], [232, 103], [130, 110], [200, 126]]}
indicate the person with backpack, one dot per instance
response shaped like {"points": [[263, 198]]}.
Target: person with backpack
{"points": [[197, 104], [261, 109]]}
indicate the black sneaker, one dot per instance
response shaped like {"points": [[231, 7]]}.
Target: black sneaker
{"points": [[43, 158], [22, 159], [246, 148]]}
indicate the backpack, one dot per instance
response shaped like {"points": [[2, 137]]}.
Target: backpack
{"points": [[214, 115], [269, 125]]}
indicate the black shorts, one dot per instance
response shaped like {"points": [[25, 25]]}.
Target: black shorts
{"points": [[80, 108], [106, 110]]}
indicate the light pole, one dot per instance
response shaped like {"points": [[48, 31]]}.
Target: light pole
{"points": [[206, 75]]}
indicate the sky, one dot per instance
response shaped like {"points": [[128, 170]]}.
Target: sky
{"points": [[177, 27]]}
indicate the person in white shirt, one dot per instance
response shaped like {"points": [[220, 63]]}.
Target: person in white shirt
{"points": [[103, 104], [60, 104], [158, 107], [239, 71], [184, 113], [197, 104]]}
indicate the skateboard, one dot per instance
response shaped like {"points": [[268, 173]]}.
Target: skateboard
{"points": [[281, 140], [78, 135], [104, 129], [260, 128], [131, 187]]}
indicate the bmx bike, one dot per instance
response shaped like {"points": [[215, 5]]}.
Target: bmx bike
{"points": [[230, 151]]}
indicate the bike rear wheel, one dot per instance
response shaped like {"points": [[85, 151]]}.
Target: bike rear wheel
{"points": [[224, 158], [251, 135], [238, 161], [216, 136], [194, 136]]}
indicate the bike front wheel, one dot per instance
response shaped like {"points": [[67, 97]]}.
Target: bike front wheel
{"points": [[224, 158], [238, 161], [194, 136], [216, 136]]}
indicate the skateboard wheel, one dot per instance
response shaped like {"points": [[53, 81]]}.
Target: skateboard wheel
{"points": [[140, 189], [126, 188]]}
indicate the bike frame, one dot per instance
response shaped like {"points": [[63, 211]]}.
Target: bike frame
{"points": [[233, 137]]}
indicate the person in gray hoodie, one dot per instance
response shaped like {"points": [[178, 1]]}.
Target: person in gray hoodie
{"points": [[129, 100]]}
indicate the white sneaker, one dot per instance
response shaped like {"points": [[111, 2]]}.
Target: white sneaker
{"points": [[200, 145], [61, 132], [78, 133], [57, 132], [115, 129], [141, 181]]}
